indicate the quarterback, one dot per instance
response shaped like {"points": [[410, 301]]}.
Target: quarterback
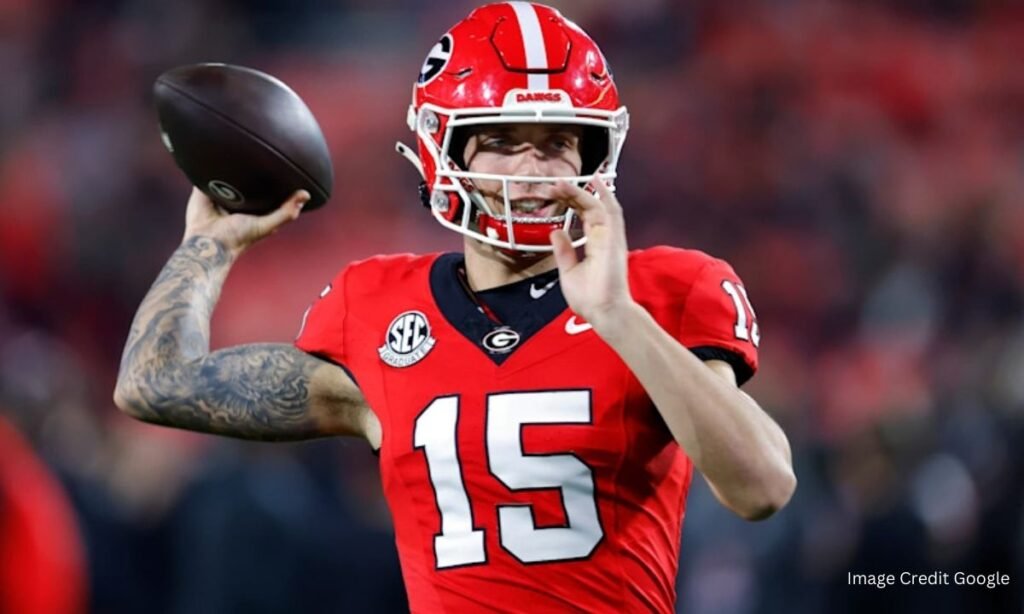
{"points": [[538, 415]]}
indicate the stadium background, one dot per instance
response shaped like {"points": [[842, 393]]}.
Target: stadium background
{"points": [[860, 163]]}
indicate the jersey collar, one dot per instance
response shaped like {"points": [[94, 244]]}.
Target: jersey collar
{"points": [[525, 306]]}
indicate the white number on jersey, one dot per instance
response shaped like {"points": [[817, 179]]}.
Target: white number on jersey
{"points": [[459, 543], [738, 294]]}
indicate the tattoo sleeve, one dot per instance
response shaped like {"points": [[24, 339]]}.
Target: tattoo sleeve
{"points": [[168, 375]]}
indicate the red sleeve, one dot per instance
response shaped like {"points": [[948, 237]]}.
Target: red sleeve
{"points": [[322, 331], [718, 321]]}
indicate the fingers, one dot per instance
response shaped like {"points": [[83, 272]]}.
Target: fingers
{"points": [[606, 196], [576, 197], [593, 210], [565, 253], [287, 212]]}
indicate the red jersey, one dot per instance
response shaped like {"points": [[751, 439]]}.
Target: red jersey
{"points": [[525, 467]]}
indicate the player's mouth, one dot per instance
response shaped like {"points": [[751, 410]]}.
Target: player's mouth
{"points": [[535, 208]]}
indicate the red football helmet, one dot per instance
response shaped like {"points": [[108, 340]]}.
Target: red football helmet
{"points": [[511, 62]]}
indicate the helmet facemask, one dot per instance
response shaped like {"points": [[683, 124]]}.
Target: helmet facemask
{"points": [[457, 203]]}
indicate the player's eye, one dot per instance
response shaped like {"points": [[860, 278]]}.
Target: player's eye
{"points": [[562, 142], [495, 141]]}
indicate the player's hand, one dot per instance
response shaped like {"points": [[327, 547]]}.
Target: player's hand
{"points": [[596, 287], [237, 231]]}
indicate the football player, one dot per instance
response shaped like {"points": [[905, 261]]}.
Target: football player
{"points": [[538, 416]]}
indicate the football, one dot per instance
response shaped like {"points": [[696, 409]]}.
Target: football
{"points": [[242, 136]]}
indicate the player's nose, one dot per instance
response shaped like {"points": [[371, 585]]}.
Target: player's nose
{"points": [[531, 162]]}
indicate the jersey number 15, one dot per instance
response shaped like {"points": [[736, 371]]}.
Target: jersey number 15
{"points": [[459, 543]]}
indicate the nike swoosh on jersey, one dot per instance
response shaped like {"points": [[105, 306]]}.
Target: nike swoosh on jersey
{"points": [[536, 293], [574, 328]]}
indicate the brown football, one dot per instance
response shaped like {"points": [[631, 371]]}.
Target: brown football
{"points": [[242, 136]]}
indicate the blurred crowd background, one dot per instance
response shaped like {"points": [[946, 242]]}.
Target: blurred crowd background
{"points": [[861, 164]]}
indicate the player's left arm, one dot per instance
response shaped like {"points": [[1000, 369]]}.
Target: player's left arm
{"points": [[742, 452]]}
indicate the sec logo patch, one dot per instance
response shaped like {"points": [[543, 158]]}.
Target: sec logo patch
{"points": [[407, 340]]}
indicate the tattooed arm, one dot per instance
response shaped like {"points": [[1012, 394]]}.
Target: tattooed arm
{"points": [[263, 391]]}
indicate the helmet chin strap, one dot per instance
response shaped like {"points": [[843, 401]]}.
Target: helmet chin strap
{"points": [[406, 152]]}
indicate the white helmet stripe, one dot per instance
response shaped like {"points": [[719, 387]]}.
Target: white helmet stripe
{"points": [[533, 44]]}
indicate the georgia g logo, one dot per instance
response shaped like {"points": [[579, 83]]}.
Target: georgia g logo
{"points": [[436, 60], [407, 341], [500, 340]]}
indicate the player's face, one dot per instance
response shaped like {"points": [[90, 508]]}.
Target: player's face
{"points": [[526, 150]]}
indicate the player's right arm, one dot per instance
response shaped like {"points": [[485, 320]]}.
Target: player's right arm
{"points": [[265, 391]]}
